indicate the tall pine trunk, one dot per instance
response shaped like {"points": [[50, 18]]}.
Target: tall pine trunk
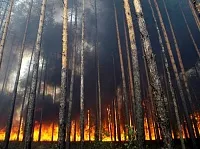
{"points": [[8, 64], [14, 96], [122, 71], [180, 88], [185, 81], [3, 17], [116, 102], [82, 77], [189, 30], [194, 13], [31, 103], [62, 110], [154, 113], [72, 81], [98, 91], [5, 31], [166, 66], [24, 97], [136, 78], [130, 77], [113, 119], [40, 125], [155, 82]]}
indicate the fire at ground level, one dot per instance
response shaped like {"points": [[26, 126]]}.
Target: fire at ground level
{"points": [[48, 132], [154, 144]]}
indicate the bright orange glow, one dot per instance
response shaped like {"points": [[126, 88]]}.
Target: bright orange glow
{"points": [[49, 132]]}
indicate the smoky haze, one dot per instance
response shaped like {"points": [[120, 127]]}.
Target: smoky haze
{"points": [[107, 46]]}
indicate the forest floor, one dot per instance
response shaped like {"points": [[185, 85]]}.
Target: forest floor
{"points": [[96, 145]]}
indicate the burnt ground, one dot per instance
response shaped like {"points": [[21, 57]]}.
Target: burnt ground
{"points": [[97, 145]]}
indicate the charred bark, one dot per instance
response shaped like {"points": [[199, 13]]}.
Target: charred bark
{"points": [[31, 103], [24, 96], [180, 88], [136, 78], [62, 110], [82, 78], [185, 81], [155, 82], [122, 72], [189, 30], [72, 81], [130, 77], [14, 96]]}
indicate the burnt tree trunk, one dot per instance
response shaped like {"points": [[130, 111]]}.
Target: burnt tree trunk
{"points": [[130, 77], [116, 102], [14, 96], [185, 81], [136, 78], [155, 82], [62, 110], [31, 103], [189, 30], [72, 81], [24, 96], [180, 88], [82, 77], [122, 72]]}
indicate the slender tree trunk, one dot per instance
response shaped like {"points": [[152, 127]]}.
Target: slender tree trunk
{"points": [[8, 64], [154, 113], [122, 72], [176, 73], [43, 97], [185, 82], [10, 116], [31, 103], [40, 128], [45, 78], [82, 77], [194, 13], [196, 18], [113, 119], [3, 17], [136, 78], [116, 102], [98, 83], [5, 31], [27, 98], [62, 110], [89, 135], [189, 31], [131, 89], [40, 80], [99, 97], [24, 96], [167, 101], [158, 95], [72, 81]]}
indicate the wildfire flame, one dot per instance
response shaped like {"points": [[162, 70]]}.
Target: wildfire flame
{"points": [[49, 132]]}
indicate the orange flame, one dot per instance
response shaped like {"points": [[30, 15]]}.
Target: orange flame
{"points": [[49, 132]]}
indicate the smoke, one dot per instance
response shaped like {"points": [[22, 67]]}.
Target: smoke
{"points": [[107, 46]]}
